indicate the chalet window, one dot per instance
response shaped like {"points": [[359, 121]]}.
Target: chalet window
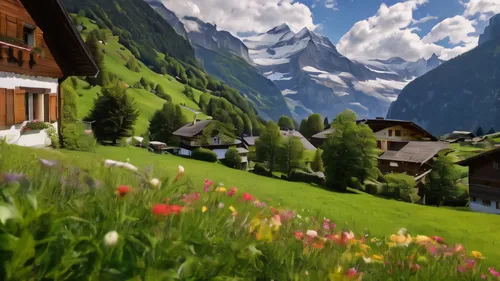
{"points": [[394, 164], [397, 133], [29, 35], [498, 205], [390, 133], [379, 144], [495, 165], [486, 203]]}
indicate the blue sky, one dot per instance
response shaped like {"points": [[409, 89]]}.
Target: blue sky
{"points": [[359, 28]]}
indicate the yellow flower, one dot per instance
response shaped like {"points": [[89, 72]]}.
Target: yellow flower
{"points": [[401, 239], [477, 255], [232, 209], [377, 257], [204, 209], [422, 239], [374, 240], [254, 223], [221, 189], [364, 247]]}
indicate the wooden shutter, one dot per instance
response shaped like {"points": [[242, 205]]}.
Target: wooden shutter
{"points": [[3, 108], [19, 106], [20, 29], [10, 107], [3, 25], [53, 108]]}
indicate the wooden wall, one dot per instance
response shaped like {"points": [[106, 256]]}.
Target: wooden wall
{"points": [[13, 107], [13, 16], [412, 169]]}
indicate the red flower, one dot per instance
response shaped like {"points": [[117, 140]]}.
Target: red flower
{"points": [[351, 273], [299, 235], [438, 239], [247, 197], [176, 209], [161, 209], [191, 197], [123, 190]]}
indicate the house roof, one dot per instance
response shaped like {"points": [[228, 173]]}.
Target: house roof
{"points": [[380, 124], [305, 142], [242, 150], [458, 135], [62, 38], [324, 134], [415, 152], [490, 153], [250, 140], [191, 130]]}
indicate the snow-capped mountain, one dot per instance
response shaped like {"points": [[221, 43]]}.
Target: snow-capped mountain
{"points": [[406, 69], [314, 77]]}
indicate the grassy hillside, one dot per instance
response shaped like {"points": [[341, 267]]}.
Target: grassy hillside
{"points": [[115, 59], [360, 212]]}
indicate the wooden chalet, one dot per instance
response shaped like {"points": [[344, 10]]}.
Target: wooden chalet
{"points": [[390, 134], [484, 181], [39, 49], [190, 133], [250, 141], [458, 136]]}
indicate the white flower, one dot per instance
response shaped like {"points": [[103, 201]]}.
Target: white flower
{"points": [[111, 238], [180, 170], [311, 233], [402, 231], [109, 163], [155, 182], [129, 167], [221, 205], [299, 216], [367, 260]]}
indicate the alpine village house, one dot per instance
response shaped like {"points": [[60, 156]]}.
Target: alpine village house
{"points": [[405, 146], [39, 49], [484, 181]]}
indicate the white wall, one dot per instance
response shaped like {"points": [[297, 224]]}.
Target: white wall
{"points": [[185, 152], [11, 81], [477, 206], [221, 153]]}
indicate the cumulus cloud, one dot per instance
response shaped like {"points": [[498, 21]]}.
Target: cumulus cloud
{"points": [[484, 8], [329, 4], [246, 15], [391, 32]]}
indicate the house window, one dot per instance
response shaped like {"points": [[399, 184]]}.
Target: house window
{"points": [[495, 165], [394, 164], [29, 35], [486, 203], [397, 133], [379, 144], [390, 133], [498, 205]]}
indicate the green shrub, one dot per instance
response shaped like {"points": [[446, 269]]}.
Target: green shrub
{"points": [[301, 176], [53, 136], [401, 187], [232, 158], [203, 154], [35, 125], [74, 138], [260, 169]]}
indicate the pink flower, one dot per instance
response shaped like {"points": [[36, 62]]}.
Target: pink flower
{"points": [[333, 225], [415, 267], [461, 269], [232, 191], [351, 273], [299, 235], [247, 196], [433, 250], [483, 276], [326, 224], [191, 197], [494, 272], [438, 239], [208, 184]]}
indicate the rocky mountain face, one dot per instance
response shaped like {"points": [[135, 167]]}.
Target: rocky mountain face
{"points": [[461, 94], [226, 57], [492, 31], [314, 77]]}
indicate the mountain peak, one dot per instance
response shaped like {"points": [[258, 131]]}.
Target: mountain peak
{"points": [[492, 31], [282, 28]]}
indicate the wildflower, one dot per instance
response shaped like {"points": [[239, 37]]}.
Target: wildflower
{"points": [[191, 197], [208, 184], [276, 220], [232, 191], [299, 235], [161, 209], [402, 231], [493, 272], [180, 173], [221, 189], [129, 167], [477, 255], [461, 269], [364, 247], [123, 190], [203, 209], [351, 273], [415, 267], [326, 224], [232, 209], [247, 197], [312, 233], [111, 238], [483, 276], [433, 250], [470, 264], [367, 260], [438, 239], [176, 209], [459, 248], [155, 183], [11, 178], [319, 245], [333, 225], [401, 240], [109, 163], [378, 257], [221, 205], [48, 163], [421, 239]]}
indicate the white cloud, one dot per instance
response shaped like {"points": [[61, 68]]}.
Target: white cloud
{"points": [[424, 19], [245, 15], [457, 29], [391, 33], [484, 8], [329, 4]]}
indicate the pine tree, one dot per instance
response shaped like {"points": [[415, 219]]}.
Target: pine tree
{"points": [[326, 123], [114, 114], [165, 122], [491, 131], [479, 132]]}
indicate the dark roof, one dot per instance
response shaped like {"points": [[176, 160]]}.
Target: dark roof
{"points": [[379, 124], [494, 153], [305, 142], [415, 152], [191, 130], [250, 141], [61, 36], [324, 134], [458, 135]]}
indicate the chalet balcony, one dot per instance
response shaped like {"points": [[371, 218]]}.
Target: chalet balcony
{"points": [[483, 191]]}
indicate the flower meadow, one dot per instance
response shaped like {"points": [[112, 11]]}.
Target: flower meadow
{"points": [[116, 222]]}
